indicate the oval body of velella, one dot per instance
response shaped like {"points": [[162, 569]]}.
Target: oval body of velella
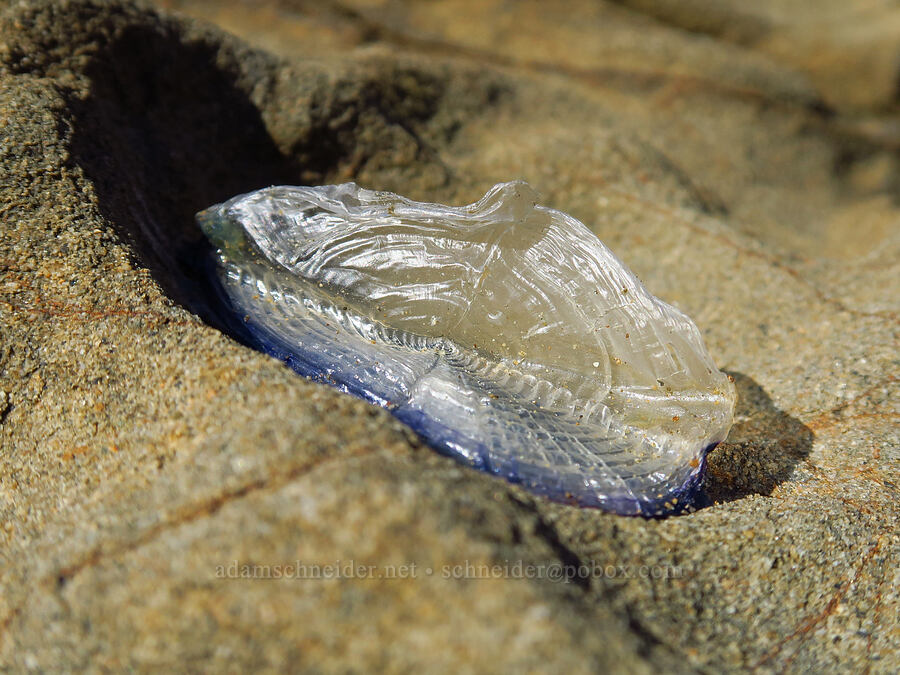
{"points": [[503, 332]]}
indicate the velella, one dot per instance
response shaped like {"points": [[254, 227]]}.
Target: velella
{"points": [[504, 333]]}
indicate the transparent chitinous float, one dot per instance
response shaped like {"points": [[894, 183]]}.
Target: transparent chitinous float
{"points": [[505, 333]]}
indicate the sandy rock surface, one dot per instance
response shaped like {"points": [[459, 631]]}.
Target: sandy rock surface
{"points": [[732, 158]]}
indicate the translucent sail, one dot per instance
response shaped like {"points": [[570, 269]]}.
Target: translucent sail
{"points": [[504, 333]]}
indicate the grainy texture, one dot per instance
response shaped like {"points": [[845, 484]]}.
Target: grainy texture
{"points": [[143, 452]]}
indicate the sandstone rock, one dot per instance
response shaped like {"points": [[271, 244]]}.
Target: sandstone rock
{"points": [[144, 454]]}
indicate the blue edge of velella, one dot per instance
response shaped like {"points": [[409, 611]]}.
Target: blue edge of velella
{"points": [[689, 496]]}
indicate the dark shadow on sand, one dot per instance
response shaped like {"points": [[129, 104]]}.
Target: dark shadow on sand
{"points": [[762, 449], [167, 131]]}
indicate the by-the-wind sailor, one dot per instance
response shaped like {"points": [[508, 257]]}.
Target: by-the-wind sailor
{"points": [[504, 333]]}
